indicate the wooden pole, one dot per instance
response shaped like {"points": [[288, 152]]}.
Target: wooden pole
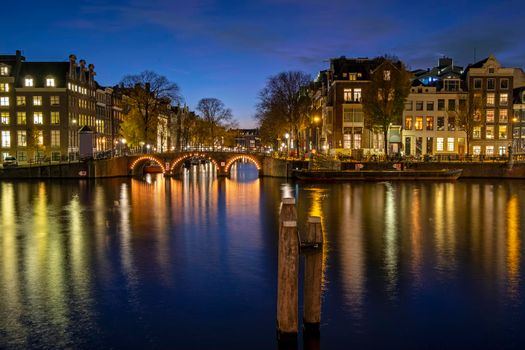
{"points": [[313, 274], [288, 271]]}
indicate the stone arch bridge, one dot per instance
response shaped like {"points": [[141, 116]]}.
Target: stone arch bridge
{"points": [[171, 163]]}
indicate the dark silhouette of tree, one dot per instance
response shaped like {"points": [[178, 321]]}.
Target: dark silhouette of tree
{"points": [[145, 97], [468, 115], [284, 105], [384, 97], [215, 116]]}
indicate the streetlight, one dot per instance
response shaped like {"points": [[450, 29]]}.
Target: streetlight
{"points": [[316, 121]]}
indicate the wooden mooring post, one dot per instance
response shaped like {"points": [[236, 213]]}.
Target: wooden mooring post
{"points": [[288, 270], [290, 245], [312, 247]]}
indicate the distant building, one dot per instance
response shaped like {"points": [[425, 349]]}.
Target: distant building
{"points": [[337, 99], [430, 126], [43, 105], [247, 139], [493, 84]]}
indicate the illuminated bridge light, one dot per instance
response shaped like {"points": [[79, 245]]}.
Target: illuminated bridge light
{"points": [[236, 158], [153, 159]]}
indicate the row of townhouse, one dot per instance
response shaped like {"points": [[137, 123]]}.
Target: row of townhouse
{"points": [[429, 124], [45, 105]]}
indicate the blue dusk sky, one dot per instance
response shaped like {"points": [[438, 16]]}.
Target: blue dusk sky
{"points": [[228, 49]]}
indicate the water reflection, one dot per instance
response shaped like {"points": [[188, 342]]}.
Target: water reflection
{"points": [[150, 262]]}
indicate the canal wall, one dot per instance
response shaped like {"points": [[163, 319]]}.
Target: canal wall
{"points": [[116, 167]]}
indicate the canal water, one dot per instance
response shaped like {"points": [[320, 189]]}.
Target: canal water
{"points": [[191, 263]]}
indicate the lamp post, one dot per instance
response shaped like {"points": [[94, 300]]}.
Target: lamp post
{"points": [[316, 121]]}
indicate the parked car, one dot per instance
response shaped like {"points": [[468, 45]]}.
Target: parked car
{"points": [[9, 162]]}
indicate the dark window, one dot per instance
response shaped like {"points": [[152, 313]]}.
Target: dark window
{"points": [[441, 104], [441, 123], [477, 83], [504, 84], [491, 84], [430, 106], [419, 105], [451, 105]]}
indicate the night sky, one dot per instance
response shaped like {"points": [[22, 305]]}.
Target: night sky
{"points": [[227, 49]]}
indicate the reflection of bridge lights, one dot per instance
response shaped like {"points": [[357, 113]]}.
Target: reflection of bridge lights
{"points": [[153, 159], [234, 159]]}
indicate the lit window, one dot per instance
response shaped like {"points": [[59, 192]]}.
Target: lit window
{"points": [[490, 98], [55, 138], [6, 139], [489, 150], [450, 144], [503, 116], [347, 95], [430, 123], [4, 118], [503, 99], [37, 100], [21, 118], [39, 137], [28, 82], [502, 132], [20, 100], [439, 144], [55, 100], [4, 87], [489, 133], [490, 116], [408, 123], [4, 71], [419, 123], [476, 133], [352, 76], [55, 117], [386, 75], [4, 101], [357, 94], [38, 118], [50, 82], [22, 138], [476, 150]]}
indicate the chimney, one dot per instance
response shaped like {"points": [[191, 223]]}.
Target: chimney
{"points": [[92, 73], [72, 66], [82, 70]]}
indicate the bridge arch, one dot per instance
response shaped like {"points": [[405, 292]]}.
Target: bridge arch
{"points": [[247, 157], [138, 164], [177, 163]]}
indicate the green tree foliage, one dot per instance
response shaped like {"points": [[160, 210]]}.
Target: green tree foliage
{"points": [[283, 106], [145, 97], [384, 97], [216, 118]]}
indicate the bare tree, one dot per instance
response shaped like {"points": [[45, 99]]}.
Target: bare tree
{"points": [[468, 115], [384, 98], [215, 116], [284, 105], [145, 96]]}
